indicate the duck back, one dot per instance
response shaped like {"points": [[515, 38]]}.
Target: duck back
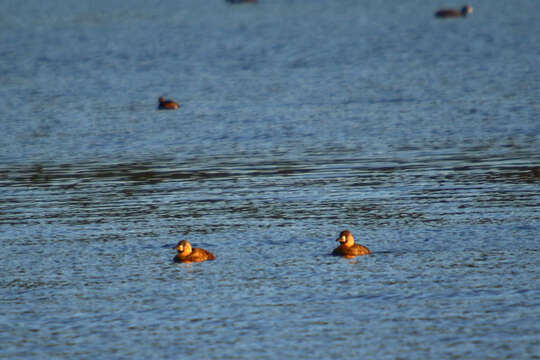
{"points": [[354, 250], [196, 255]]}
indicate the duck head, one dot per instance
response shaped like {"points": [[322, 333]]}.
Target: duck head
{"points": [[346, 238], [183, 247]]}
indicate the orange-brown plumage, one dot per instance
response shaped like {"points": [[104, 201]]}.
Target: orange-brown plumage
{"points": [[167, 104], [188, 254], [348, 248]]}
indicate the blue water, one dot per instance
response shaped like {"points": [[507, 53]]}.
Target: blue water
{"points": [[298, 119]]}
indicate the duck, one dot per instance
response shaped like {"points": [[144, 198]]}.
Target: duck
{"points": [[167, 104], [188, 254], [446, 13], [348, 248]]}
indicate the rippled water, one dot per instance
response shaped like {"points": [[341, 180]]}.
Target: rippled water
{"points": [[298, 119]]}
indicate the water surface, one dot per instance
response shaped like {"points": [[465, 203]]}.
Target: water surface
{"points": [[298, 119]]}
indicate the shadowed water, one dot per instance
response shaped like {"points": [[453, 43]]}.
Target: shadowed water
{"points": [[298, 120]]}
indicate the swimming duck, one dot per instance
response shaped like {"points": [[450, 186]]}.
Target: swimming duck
{"points": [[188, 254], [348, 248], [167, 104], [446, 13]]}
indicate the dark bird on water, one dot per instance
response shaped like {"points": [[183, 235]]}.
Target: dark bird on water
{"points": [[452, 13]]}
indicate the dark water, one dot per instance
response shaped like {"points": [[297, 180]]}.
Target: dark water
{"points": [[298, 119]]}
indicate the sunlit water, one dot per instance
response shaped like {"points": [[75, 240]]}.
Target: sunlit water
{"points": [[298, 119]]}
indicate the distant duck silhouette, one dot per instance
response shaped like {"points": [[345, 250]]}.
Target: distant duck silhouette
{"points": [[240, 1], [452, 13], [348, 248], [167, 104], [188, 254]]}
